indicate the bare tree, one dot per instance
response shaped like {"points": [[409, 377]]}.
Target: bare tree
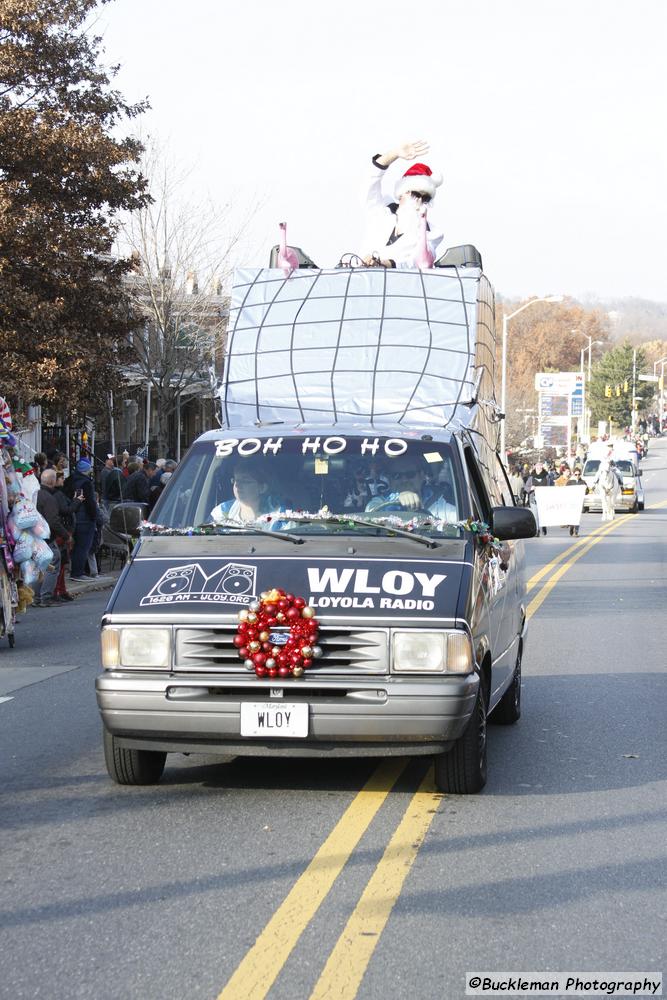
{"points": [[183, 254]]}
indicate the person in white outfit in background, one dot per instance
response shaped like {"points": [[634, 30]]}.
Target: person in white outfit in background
{"points": [[606, 484], [393, 225]]}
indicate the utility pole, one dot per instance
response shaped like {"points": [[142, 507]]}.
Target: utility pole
{"points": [[634, 390]]}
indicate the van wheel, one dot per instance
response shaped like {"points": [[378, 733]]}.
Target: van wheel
{"points": [[462, 771], [635, 507], [508, 709], [132, 767]]}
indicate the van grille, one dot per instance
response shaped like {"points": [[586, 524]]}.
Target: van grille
{"points": [[344, 650]]}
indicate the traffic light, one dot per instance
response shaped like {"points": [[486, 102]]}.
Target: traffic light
{"points": [[607, 390], [618, 390], [625, 386]]}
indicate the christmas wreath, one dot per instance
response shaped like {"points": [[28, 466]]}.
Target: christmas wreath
{"points": [[277, 635]]}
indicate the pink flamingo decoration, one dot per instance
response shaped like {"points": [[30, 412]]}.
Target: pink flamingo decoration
{"points": [[424, 257], [287, 258]]}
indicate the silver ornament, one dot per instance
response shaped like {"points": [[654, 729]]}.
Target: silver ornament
{"points": [[317, 652], [270, 663], [248, 664], [255, 606]]}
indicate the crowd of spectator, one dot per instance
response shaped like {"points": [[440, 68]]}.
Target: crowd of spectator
{"points": [[77, 506]]}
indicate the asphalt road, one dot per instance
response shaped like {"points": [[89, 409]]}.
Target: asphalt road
{"points": [[160, 893]]}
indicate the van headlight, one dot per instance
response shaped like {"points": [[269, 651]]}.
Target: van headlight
{"points": [[136, 647], [416, 652]]}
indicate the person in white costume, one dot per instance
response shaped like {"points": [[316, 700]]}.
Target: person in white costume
{"points": [[393, 225], [606, 484]]}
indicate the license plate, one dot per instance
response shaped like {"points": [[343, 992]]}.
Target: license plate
{"points": [[273, 719]]}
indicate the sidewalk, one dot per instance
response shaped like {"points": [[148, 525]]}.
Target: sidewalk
{"points": [[104, 581]]}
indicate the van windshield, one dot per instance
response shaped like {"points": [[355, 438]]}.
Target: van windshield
{"points": [[624, 466], [313, 484]]}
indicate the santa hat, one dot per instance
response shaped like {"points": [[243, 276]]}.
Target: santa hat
{"points": [[419, 178]]}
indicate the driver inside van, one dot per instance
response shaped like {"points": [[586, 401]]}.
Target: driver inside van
{"points": [[251, 497], [408, 490]]}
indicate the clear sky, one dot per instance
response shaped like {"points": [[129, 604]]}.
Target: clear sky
{"points": [[547, 119]]}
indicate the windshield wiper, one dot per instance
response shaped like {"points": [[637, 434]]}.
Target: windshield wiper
{"points": [[249, 529], [344, 519], [424, 539]]}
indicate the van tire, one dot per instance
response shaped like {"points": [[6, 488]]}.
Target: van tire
{"points": [[462, 770], [132, 767], [508, 709]]}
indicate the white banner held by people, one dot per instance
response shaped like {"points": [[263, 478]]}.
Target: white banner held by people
{"points": [[559, 505]]}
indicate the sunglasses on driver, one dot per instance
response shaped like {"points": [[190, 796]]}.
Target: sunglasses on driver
{"points": [[403, 473]]}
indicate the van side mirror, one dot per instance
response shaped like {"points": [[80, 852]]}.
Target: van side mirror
{"points": [[512, 522], [125, 518]]}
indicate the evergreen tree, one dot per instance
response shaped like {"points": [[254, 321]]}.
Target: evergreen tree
{"points": [[610, 389]]}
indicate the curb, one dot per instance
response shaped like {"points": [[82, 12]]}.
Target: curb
{"points": [[104, 582]]}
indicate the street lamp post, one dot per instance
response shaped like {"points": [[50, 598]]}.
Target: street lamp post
{"points": [[503, 382], [587, 411], [661, 397]]}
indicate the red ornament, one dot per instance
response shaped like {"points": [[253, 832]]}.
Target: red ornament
{"points": [[303, 633]]}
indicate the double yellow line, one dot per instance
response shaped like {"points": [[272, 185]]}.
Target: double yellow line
{"points": [[345, 968], [566, 559], [347, 962]]}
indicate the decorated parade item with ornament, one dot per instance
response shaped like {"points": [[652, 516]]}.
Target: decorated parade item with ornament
{"points": [[10, 491], [29, 532], [493, 545], [277, 635]]}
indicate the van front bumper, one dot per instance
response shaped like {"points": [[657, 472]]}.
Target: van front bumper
{"points": [[593, 504], [347, 716]]}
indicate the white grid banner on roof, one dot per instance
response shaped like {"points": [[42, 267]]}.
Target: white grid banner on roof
{"points": [[350, 345]]}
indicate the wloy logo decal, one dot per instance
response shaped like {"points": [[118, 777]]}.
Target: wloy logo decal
{"points": [[395, 590], [233, 583]]}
